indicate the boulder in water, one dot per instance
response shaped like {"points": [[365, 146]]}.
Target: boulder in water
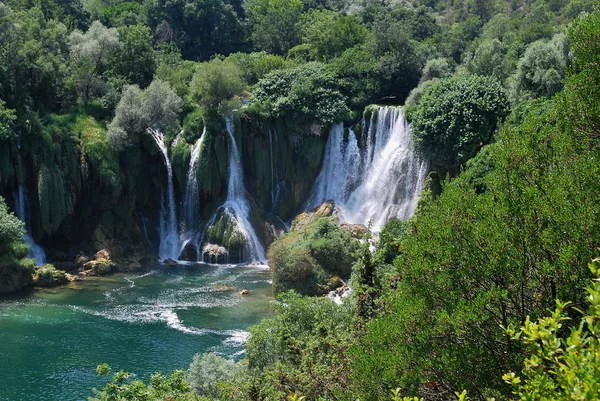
{"points": [[244, 292], [212, 253], [170, 262], [189, 253], [103, 264]]}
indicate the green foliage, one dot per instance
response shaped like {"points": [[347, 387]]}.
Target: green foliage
{"points": [[200, 28], [273, 24], [206, 372], [90, 53], [328, 34], [456, 117], [582, 87], [123, 388], [475, 262], [303, 349], [560, 368], [215, 82], [15, 272], [304, 94], [156, 107], [309, 259], [134, 60], [48, 276], [254, 66], [390, 237], [541, 70], [7, 116]]}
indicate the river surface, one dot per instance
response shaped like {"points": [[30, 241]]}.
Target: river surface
{"points": [[51, 340]]}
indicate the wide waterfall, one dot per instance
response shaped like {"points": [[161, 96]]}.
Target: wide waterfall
{"points": [[236, 206], [191, 202], [35, 251], [380, 181], [169, 247]]}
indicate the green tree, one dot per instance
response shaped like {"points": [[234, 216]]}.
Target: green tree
{"points": [[201, 28], [157, 107], [541, 70], [273, 24], [207, 371], [7, 116], [560, 368], [134, 60], [329, 34], [456, 117], [215, 82], [306, 94], [90, 53]]}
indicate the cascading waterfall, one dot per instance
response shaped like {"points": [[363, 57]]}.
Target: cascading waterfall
{"points": [[340, 172], [191, 200], [236, 206], [35, 251], [169, 247], [381, 181]]}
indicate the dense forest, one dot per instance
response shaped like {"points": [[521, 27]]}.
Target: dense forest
{"points": [[489, 291]]}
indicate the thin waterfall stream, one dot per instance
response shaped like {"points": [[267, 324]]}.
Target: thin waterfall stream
{"points": [[191, 200], [169, 247], [35, 251]]}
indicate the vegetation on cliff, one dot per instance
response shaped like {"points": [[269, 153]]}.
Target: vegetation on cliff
{"points": [[500, 97]]}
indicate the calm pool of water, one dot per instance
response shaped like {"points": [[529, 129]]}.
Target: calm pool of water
{"points": [[52, 340]]}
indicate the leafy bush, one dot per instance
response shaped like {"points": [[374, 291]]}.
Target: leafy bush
{"points": [[15, 272], [122, 387], [561, 368], [214, 82], [305, 94], [308, 258], [456, 117], [155, 107], [303, 349], [206, 372], [541, 70]]}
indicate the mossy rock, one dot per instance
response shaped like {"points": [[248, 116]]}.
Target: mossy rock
{"points": [[225, 232], [49, 276], [312, 258]]}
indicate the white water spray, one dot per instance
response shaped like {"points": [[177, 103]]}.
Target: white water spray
{"points": [[169, 236], [381, 181], [191, 200], [236, 206], [35, 251]]}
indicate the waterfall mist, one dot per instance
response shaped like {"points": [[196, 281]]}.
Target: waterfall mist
{"points": [[378, 182]]}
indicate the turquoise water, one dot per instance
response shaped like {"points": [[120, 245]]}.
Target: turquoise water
{"points": [[52, 340]]}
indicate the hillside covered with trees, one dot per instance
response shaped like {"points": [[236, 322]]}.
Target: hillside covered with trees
{"points": [[503, 101]]}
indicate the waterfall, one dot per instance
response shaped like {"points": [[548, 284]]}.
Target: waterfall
{"points": [[35, 251], [191, 200], [340, 172], [236, 206], [381, 181], [169, 236]]}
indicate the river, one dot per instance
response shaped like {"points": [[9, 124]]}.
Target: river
{"points": [[51, 340]]}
